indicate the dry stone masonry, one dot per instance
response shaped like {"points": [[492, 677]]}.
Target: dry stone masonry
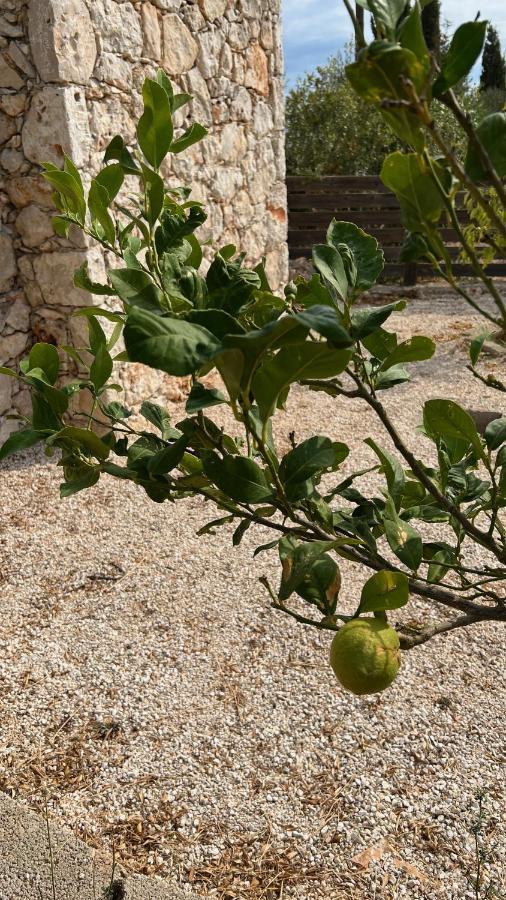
{"points": [[70, 78]]}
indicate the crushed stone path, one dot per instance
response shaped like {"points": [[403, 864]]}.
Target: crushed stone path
{"points": [[155, 702]]}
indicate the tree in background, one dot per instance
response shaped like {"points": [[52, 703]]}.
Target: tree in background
{"points": [[431, 25], [493, 67], [330, 130]]}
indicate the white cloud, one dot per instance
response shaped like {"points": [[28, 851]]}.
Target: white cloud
{"points": [[314, 29]]}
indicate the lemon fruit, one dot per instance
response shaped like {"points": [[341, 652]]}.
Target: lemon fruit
{"points": [[365, 655]]}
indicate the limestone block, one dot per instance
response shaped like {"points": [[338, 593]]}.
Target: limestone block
{"points": [[209, 53], [5, 393], [62, 40], [12, 346], [257, 70], [8, 29], [9, 78], [193, 18], [179, 47], [13, 104], [226, 181], [57, 122], [18, 314], [7, 261], [7, 128], [233, 142], [266, 34], [108, 117], [201, 106], [12, 160], [16, 56], [112, 69], [212, 9], [118, 28], [262, 119], [28, 189], [241, 106], [152, 32], [168, 5], [276, 266], [54, 273], [239, 35], [34, 226]]}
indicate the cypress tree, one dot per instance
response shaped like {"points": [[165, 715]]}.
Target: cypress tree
{"points": [[431, 24], [493, 67]]}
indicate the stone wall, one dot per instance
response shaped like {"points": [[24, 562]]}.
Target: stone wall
{"points": [[70, 78]]}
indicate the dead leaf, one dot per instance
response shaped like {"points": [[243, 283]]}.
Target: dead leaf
{"points": [[371, 854]]}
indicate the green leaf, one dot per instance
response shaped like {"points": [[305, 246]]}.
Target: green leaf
{"points": [[117, 410], [239, 477], [67, 489], [441, 556], [84, 437], [328, 262], [4, 370], [70, 189], [380, 343], [98, 201], [393, 471], [365, 321], [192, 135], [495, 433], [216, 321], [294, 363], [99, 313], [384, 72], [21, 440], [414, 349], [167, 459], [45, 357], [157, 415], [155, 129], [403, 539], [465, 48], [135, 287], [237, 370], [411, 36], [313, 457], [155, 191], [116, 149], [491, 132], [302, 558], [111, 178], [407, 175], [240, 531], [475, 347], [384, 590], [325, 321], [446, 419], [171, 345], [386, 14], [101, 367], [201, 398], [368, 255], [83, 280]]}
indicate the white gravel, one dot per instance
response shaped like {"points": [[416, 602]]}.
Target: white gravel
{"points": [[148, 691]]}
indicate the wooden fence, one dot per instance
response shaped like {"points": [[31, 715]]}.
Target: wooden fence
{"points": [[364, 200]]}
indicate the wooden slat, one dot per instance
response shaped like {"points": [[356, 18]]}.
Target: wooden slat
{"points": [[384, 236], [364, 218], [362, 200], [335, 183]]}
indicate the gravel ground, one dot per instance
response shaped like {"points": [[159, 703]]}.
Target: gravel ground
{"points": [[154, 700]]}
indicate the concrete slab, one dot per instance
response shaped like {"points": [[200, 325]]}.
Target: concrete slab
{"points": [[79, 872]]}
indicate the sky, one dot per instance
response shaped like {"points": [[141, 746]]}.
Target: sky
{"points": [[315, 29]]}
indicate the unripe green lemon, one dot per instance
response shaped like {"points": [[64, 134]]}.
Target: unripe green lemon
{"points": [[365, 655]]}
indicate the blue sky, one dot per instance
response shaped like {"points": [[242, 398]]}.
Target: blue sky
{"points": [[314, 29]]}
